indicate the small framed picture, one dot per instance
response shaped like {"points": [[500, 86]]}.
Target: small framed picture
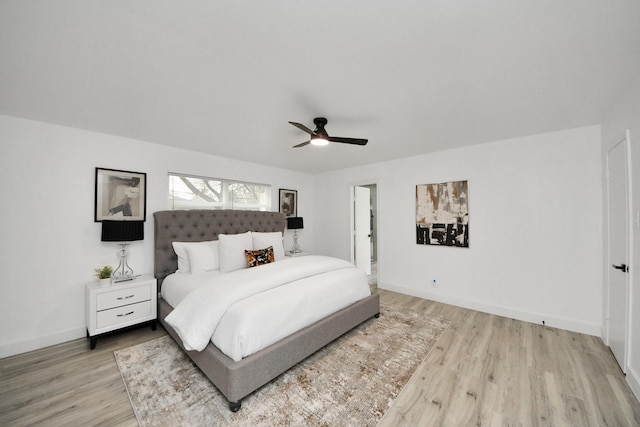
{"points": [[288, 202], [120, 195]]}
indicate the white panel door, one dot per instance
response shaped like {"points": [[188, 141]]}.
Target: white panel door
{"points": [[362, 225], [618, 282]]}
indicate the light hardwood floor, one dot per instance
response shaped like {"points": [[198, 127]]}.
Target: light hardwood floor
{"points": [[485, 371]]}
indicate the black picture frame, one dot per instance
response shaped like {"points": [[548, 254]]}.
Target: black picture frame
{"points": [[120, 195], [288, 202]]}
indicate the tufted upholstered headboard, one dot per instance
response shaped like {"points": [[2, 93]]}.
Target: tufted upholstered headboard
{"points": [[203, 225]]}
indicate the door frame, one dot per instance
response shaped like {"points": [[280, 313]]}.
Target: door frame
{"points": [[629, 249], [352, 214]]}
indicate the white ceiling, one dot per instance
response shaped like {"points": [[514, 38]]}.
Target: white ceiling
{"points": [[225, 77]]}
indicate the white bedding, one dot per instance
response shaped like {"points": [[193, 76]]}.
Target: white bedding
{"points": [[176, 286], [247, 310]]}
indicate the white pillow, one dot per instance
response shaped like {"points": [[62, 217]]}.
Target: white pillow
{"points": [[180, 248], [232, 247], [203, 257], [264, 240]]}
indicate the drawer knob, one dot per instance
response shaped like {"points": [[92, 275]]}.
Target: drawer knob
{"points": [[127, 297]]}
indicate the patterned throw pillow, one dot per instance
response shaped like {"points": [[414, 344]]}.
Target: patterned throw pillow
{"points": [[259, 257]]}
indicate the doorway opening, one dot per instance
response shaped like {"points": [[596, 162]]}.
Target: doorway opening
{"points": [[364, 221]]}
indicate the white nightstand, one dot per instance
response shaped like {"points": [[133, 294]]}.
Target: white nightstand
{"points": [[119, 305], [291, 254]]}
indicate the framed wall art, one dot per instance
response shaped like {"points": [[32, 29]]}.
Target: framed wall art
{"points": [[442, 214], [288, 202], [120, 195]]}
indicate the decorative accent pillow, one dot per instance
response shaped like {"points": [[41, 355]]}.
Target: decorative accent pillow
{"points": [[232, 247], [263, 240], [258, 257], [180, 248]]}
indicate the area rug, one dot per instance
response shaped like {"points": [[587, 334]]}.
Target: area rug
{"points": [[351, 382]]}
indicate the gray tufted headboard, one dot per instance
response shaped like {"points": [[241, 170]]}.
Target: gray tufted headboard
{"points": [[202, 225]]}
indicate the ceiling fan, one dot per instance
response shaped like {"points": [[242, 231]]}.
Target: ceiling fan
{"points": [[320, 136]]}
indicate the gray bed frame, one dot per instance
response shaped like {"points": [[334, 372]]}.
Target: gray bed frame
{"points": [[236, 380]]}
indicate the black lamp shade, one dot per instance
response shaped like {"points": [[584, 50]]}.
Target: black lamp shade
{"points": [[295, 223], [122, 231]]}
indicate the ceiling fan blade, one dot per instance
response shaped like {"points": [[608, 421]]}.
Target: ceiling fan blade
{"points": [[303, 128], [302, 144], [356, 141]]}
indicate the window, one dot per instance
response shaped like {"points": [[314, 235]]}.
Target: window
{"points": [[199, 192]]}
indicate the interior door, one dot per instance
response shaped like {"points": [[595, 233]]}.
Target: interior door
{"points": [[618, 292], [362, 225]]}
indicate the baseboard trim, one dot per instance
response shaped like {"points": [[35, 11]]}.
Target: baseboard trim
{"points": [[531, 317], [19, 347]]}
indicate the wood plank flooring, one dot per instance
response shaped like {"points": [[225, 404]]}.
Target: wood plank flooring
{"points": [[493, 371], [485, 371]]}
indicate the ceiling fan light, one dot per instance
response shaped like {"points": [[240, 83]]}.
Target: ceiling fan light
{"points": [[319, 141]]}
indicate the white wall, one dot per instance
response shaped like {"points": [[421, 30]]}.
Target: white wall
{"points": [[50, 243], [625, 114], [535, 211], [535, 237]]}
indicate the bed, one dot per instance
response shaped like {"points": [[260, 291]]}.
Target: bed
{"points": [[236, 379]]}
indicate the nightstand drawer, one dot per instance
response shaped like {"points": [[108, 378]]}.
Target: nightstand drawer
{"points": [[121, 297], [124, 314]]}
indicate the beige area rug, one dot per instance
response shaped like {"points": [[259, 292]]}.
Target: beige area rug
{"points": [[351, 382]]}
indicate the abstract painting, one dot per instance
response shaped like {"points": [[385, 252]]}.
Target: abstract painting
{"points": [[442, 214]]}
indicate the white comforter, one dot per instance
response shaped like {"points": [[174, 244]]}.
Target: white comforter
{"points": [[247, 310]]}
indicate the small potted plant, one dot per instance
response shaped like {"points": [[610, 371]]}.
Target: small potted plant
{"points": [[104, 275]]}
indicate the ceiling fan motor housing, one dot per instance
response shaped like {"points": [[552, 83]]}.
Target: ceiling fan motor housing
{"points": [[320, 122]]}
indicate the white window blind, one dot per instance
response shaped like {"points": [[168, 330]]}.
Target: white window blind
{"points": [[199, 192]]}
